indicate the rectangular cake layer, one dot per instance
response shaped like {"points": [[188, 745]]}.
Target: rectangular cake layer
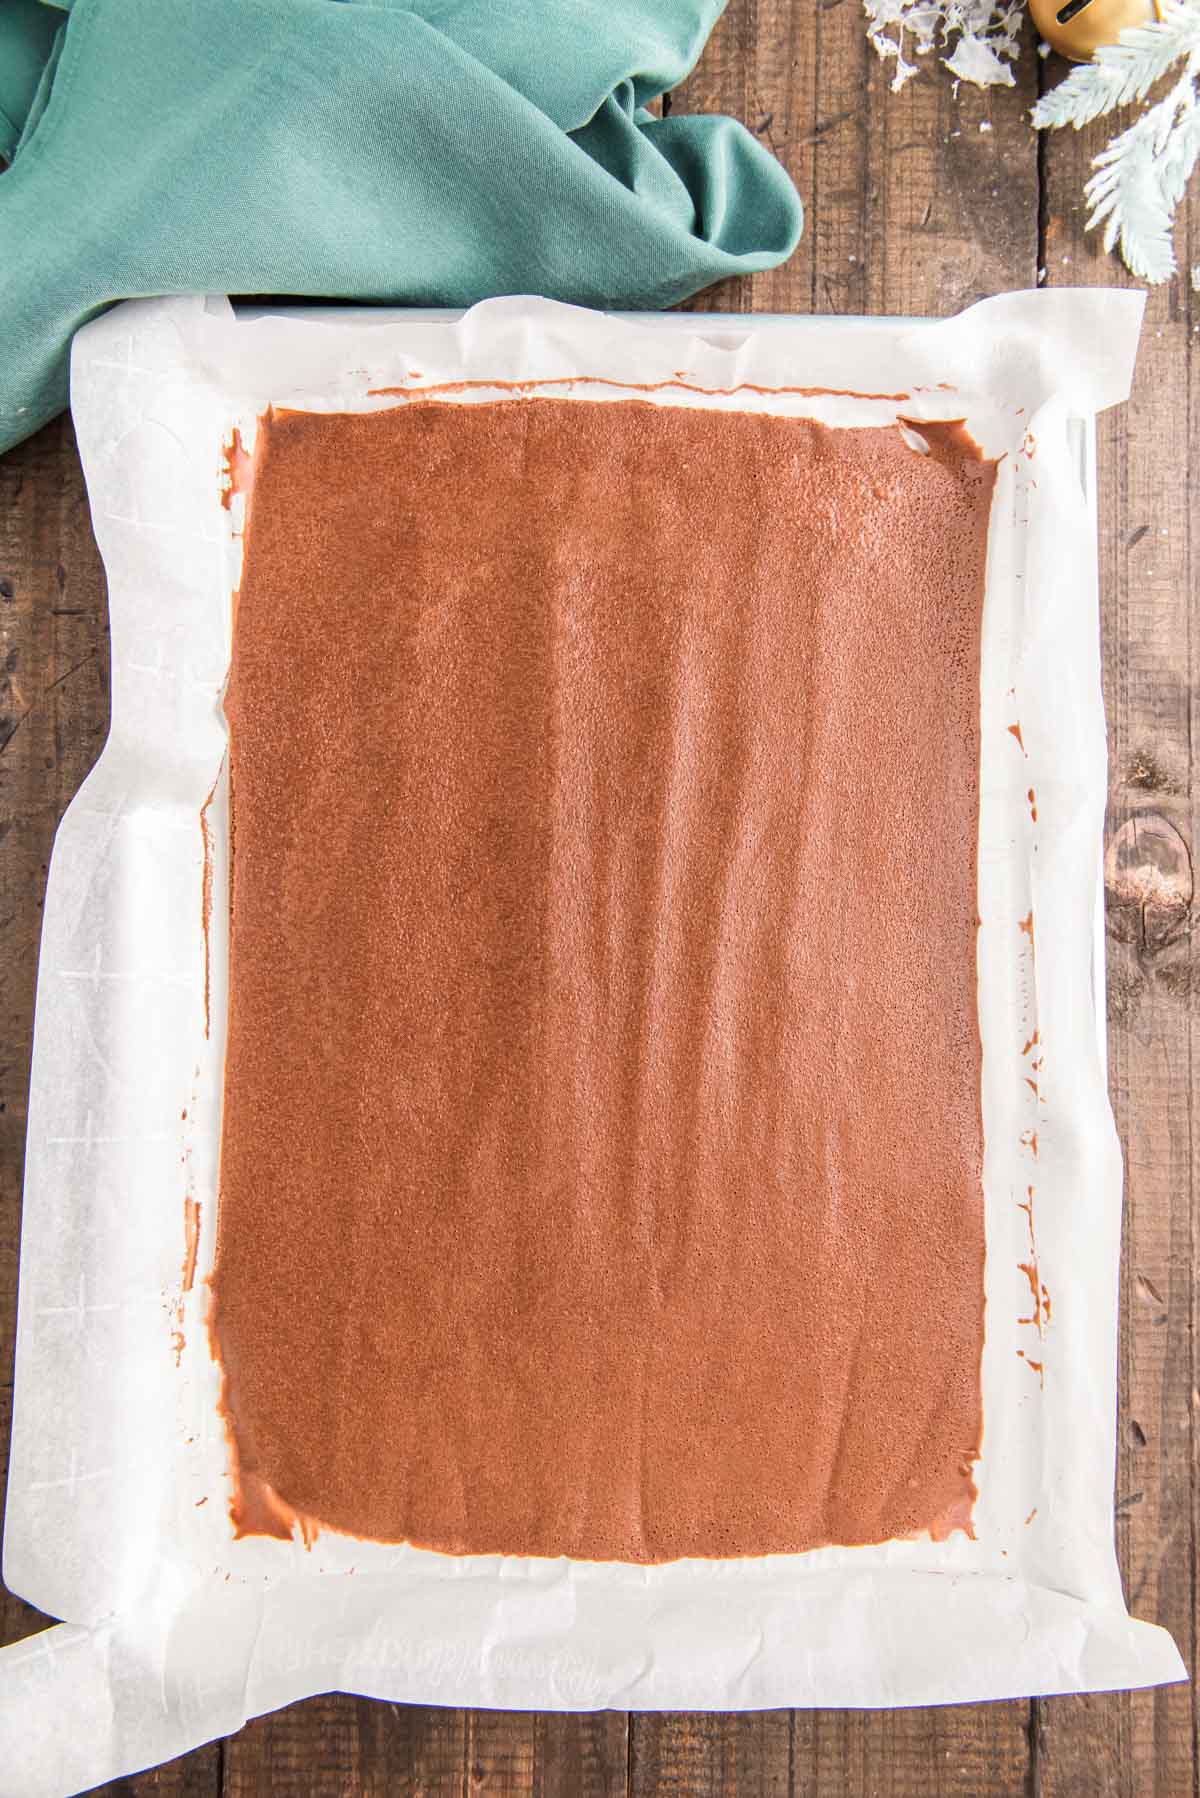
{"points": [[602, 1143]]}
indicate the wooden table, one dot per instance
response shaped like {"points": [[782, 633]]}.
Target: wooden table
{"points": [[917, 203]]}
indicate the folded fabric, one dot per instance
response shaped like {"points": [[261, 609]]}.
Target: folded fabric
{"points": [[27, 31], [428, 153]]}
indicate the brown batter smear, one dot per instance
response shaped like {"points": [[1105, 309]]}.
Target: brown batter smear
{"points": [[191, 1246], [1043, 1309], [1039, 1317], [257, 1510], [569, 384], [602, 1137], [191, 1241], [239, 469], [206, 891]]}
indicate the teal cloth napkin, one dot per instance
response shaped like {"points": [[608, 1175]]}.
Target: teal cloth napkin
{"points": [[27, 31], [430, 153]]}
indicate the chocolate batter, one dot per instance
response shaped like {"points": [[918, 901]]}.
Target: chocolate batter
{"points": [[602, 1134]]}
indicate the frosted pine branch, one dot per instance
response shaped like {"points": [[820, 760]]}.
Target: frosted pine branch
{"points": [[1141, 178]]}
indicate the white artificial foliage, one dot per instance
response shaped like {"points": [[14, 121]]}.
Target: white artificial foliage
{"points": [[979, 38], [974, 59], [1140, 179]]}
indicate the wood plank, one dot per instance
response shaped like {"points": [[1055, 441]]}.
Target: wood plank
{"points": [[961, 1751], [195, 1775], [547, 1753], [586, 1755], [500, 1752], [1131, 1744], [338, 1746], [918, 203], [683, 1754]]}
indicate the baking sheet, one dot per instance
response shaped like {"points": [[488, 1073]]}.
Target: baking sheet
{"points": [[117, 1523]]}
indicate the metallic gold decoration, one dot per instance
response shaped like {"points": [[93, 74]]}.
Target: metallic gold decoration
{"points": [[1078, 28]]}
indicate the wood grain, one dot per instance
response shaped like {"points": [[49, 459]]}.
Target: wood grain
{"points": [[196, 1775], [707, 1754], [917, 203], [338, 1745], [1127, 1744], [961, 1751]]}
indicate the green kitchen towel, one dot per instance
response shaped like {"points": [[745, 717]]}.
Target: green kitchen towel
{"points": [[430, 153]]}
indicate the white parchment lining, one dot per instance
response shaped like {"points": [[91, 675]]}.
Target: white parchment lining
{"points": [[117, 1522]]}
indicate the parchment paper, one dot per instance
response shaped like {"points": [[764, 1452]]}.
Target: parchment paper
{"points": [[117, 1520]]}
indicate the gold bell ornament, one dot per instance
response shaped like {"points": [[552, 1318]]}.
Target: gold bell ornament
{"points": [[1078, 28]]}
